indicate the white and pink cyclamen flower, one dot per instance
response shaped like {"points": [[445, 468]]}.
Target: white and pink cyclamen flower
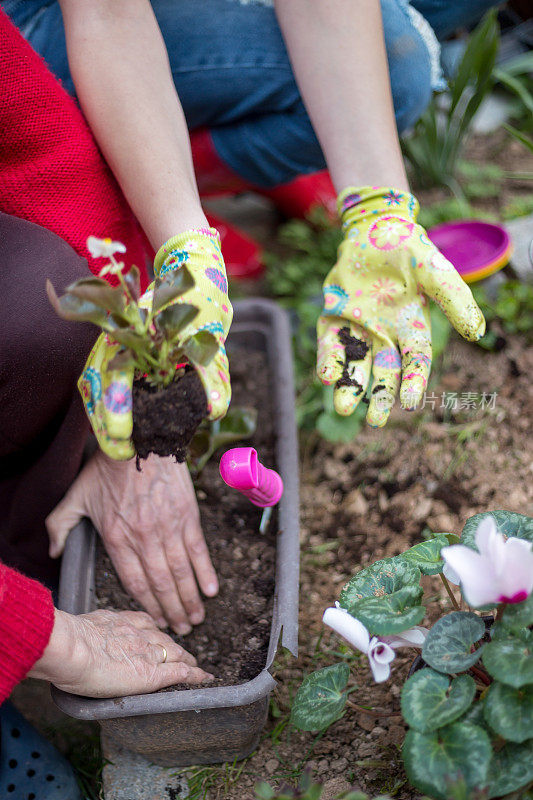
{"points": [[501, 572], [379, 650]]}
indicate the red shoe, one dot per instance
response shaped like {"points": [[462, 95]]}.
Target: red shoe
{"points": [[293, 199], [242, 255], [213, 177], [303, 194]]}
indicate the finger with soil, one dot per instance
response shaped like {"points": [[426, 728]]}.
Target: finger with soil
{"points": [[386, 370], [351, 386]]}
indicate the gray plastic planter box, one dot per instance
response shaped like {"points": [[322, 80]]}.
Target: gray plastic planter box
{"points": [[202, 726]]}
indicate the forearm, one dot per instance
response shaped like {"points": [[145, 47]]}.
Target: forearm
{"points": [[345, 87], [120, 68]]}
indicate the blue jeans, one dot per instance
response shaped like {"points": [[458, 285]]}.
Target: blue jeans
{"points": [[233, 75]]}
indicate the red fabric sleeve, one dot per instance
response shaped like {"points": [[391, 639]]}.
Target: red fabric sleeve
{"points": [[26, 622], [51, 170]]}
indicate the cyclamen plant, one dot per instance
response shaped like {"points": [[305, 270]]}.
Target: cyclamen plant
{"points": [[469, 699], [149, 327]]}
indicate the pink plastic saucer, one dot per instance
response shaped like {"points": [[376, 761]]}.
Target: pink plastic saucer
{"points": [[475, 248]]}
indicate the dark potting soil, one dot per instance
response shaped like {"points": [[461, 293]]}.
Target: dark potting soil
{"points": [[232, 642], [164, 421], [354, 350]]}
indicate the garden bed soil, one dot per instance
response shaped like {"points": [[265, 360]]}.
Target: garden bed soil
{"points": [[232, 642], [373, 498]]}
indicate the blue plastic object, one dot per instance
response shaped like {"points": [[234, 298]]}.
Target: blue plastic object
{"points": [[30, 767]]}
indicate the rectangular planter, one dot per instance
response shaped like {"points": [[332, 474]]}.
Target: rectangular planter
{"points": [[207, 725]]}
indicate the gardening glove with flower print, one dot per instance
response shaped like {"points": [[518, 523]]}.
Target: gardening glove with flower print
{"points": [[107, 392], [377, 294]]}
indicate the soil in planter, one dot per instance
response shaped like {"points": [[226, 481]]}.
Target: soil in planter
{"points": [[164, 420], [232, 642]]}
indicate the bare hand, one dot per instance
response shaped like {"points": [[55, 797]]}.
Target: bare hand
{"points": [[150, 525], [113, 653]]}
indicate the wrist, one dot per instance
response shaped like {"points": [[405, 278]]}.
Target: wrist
{"points": [[60, 650]]}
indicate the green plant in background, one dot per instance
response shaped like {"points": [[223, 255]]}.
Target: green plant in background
{"points": [[239, 423], [435, 145], [307, 789], [512, 308], [469, 704]]}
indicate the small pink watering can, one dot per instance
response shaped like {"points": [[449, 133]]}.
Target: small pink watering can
{"points": [[241, 469]]}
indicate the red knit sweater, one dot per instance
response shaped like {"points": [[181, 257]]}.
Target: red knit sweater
{"points": [[51, 170], [26, 622]]}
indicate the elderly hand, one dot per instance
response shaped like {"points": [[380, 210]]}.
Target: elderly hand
{"points": [[107, 391], [150, 526], [113, 654], [377, 291]]}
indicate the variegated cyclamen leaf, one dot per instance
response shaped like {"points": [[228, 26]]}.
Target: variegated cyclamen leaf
{"points": [[437, 760], [509, 711], [511, 768], [508, 522], [320, 700], [426, 555], [383, 577], [510, 661], [173, 285], [448, 644], [518, 615], [431, 700], [392, 613], [175, 318]]}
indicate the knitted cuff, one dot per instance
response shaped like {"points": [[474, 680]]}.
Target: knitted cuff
{"points": [[26, 622], [357, 203], [176, 250]]}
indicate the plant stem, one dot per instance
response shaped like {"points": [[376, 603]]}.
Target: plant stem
{"points": [[372, 713], [479, 673], [450, 593]]}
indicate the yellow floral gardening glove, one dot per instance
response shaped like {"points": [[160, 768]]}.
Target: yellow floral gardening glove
{"points": [[376, 316], [107, 393]]}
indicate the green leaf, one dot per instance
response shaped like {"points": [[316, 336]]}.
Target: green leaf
{"points": [[100, 293], [509, 661], [73, 308], [239, 423], [426, 555], [509, 523], [430, 700], [518, 615], [338, 429], [434, 761], [511, 768], [382, 577], [320, 700], [132, 279], [263, 791], [448, 644], [122, 360], [200, 348], [440, 330], [392, 613], [175, 318], [509, 711], [173, 285]]}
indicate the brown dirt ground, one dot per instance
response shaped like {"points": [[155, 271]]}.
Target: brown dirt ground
{"points": [[373, 498]]}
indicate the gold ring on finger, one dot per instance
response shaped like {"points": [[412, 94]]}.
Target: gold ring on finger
{"points": [[165, 654]]}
